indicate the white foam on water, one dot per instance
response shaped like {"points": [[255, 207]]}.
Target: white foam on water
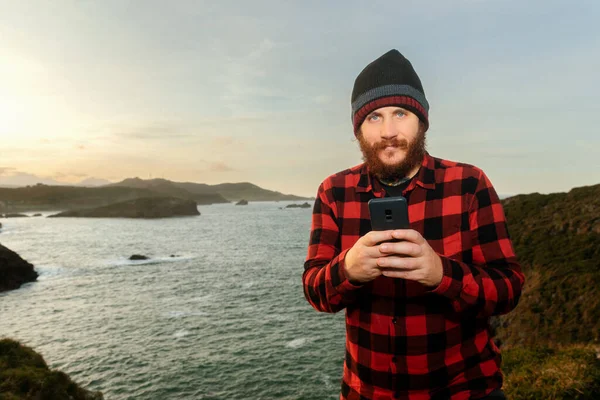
{"points": [[183, 314], [296, 343], [181, 333], [200, 298], [47, 271]]}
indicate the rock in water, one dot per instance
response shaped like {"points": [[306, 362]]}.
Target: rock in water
{"points": [[138, 257], [147, 207], [305, 205], [242, 202], [14, 271], [16, 215]]}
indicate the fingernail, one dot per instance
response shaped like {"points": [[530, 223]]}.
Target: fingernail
{"points": [[383, 247]]}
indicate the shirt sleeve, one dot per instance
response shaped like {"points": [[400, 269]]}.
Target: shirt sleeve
{"points": [[491, 284], [326, 286]]}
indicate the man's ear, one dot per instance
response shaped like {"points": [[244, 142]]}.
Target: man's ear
{"points": [[358, 134]]}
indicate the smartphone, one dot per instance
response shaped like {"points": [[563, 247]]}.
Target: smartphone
{"points": [[389, 213]]}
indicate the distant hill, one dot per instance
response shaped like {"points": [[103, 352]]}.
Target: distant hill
{"points": [[92, 182], [230, 191], [168, 188], [251, 192], [149, 207], [46, 197], [51, 197], [557, 240]]}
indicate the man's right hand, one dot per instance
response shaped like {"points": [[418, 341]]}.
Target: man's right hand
{"points": [[361, 260]]}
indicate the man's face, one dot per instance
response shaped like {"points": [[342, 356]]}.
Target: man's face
{"points": [[392, 142]]}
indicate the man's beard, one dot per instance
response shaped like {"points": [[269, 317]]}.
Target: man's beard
{"points": [[391, 172]]}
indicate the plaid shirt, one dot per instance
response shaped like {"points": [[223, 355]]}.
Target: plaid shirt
{"points": [[405, 340]]}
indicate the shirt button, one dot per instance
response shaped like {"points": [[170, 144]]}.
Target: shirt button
{"points": [[394, 321]]}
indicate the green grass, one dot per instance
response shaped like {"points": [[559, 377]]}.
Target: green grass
{"points": [[571, 372]]}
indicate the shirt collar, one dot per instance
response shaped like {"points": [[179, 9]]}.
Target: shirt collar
{"points": [[424, 178]]}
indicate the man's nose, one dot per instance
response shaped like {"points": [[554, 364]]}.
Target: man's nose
{"points": [[388, 129]]}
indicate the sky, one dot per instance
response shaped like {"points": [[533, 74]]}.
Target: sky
{"points": [[259, 91]]}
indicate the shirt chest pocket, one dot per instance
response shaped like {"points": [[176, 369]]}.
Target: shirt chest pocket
{"points": [[449, 235]]}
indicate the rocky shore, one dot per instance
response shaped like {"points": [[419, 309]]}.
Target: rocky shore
{"points": [[14, 271]]}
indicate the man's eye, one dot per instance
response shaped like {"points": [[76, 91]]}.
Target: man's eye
{"points": [[373, 117], [400, 113]]}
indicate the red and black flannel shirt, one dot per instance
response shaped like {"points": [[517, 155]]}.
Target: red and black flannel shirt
{"points": [[405, 340]]}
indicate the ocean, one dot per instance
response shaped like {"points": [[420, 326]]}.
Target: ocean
{"points": [[217, 312]]}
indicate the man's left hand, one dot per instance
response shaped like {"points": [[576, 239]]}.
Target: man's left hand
{"points": [[412, 258]]}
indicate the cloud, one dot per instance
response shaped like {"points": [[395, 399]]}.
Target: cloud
{"points": [[20, 178], [220, 143], [61, 175], [6, 170], [156, 130], [219, 167]]}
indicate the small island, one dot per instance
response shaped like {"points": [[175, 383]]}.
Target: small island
{"points": [[242, 202], [147, 207]]}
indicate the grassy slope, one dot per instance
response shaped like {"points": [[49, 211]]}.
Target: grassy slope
{"points": [[25, 375], [551, 340], [557, 239]]}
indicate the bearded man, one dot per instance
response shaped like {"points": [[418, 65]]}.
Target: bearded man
{"points": [[417, 301]]}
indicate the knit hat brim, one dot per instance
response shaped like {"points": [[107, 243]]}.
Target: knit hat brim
{"points": [[405, 102]]}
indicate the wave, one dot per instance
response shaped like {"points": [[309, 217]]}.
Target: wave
{"points": [[297, 343], [181, 333], [183, 314], [48, 271]]}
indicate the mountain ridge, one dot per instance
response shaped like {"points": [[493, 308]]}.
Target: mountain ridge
{"points": [[55, 197]]}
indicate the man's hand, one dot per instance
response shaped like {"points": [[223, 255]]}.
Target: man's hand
{"points": [[361, 259], [412, 258]]}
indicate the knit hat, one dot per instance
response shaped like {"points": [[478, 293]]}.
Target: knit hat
{"points": [[388, 81]]}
